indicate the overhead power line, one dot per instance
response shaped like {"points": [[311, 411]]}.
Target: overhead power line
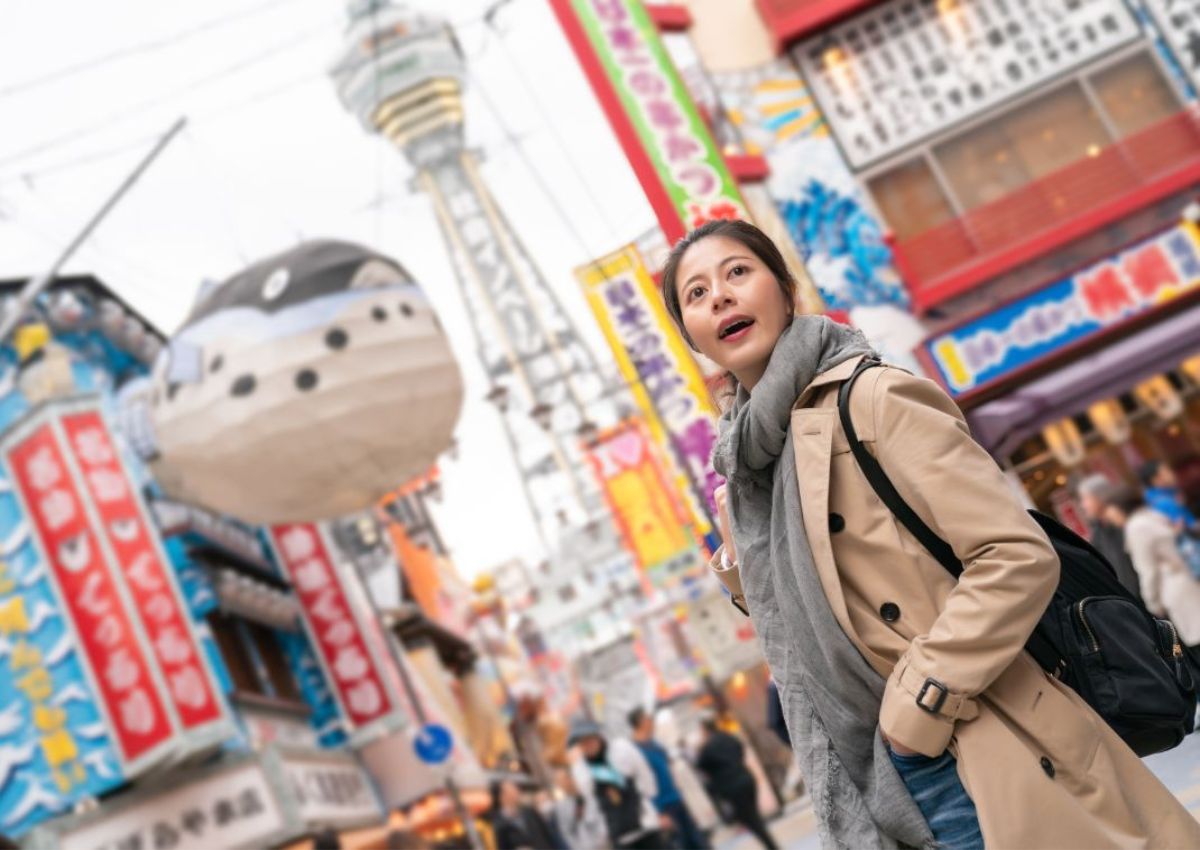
{"points": [[138, 49], [63, 139]]}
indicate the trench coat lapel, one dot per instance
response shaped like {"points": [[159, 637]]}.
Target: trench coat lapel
{"points": [[812, 436]]}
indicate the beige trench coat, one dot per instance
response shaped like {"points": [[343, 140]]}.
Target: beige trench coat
{"points": [[1043, 769]]}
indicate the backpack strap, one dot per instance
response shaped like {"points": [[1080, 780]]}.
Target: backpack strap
{"points": [[882, 485]]}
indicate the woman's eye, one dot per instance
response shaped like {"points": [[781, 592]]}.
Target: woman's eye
{"points": [[738, 270], [696, 292]]}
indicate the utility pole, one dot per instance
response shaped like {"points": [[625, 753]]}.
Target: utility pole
{"points": [[38, 285]]}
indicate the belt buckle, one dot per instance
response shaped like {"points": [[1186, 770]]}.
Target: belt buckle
{"points": [[943, 693]]}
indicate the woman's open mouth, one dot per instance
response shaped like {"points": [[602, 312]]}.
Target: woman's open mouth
{"points": [[735, 330]]}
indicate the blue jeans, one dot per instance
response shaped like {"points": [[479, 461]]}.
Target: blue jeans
{"points": [[687, 832], [942, 799]]}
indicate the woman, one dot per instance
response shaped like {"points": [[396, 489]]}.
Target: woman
{"points": [[915, 714], [1166, 583]]}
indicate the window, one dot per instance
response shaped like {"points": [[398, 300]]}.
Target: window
{"points": [[910, 198], [1134, 94], [254, 657], [994, 159]]}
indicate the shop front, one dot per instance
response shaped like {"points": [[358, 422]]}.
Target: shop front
{"points": [[256, 800], [1097, 372]]}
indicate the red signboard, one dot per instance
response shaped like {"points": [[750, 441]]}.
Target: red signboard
{"points": [[106, 631], [156, 600], [352, 668]]}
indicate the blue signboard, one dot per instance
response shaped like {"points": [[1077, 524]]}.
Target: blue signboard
{"points": [[434, 744], [1096, 299], [54, 745]]}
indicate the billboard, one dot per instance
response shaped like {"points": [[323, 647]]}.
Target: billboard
{"points": [[353, 665], [157, 602], [662, 133], [666, 382], [652, 520], [131, 689], [901, 72], [1041, 325]]}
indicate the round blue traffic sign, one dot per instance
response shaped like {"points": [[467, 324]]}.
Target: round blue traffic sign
{"points": [[433, 744]]}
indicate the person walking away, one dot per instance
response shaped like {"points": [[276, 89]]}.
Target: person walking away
{"points": [[1095, 495], [722, 760], [1163, 495], [903, 686], [673, 811], [577, 815], [515, 825], [1167, 585], [617, 777]]}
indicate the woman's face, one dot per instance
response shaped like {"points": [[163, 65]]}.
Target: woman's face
{"points": [[733, 307]]}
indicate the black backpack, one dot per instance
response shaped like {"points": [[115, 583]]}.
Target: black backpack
{"points": [[621, 806], [1094, 636]]}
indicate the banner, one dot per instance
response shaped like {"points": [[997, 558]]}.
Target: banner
{"points": [[131, 694], [666, 382], [1043, 324], [652, 521], [353, 668], [157, 602], [667, 142]]}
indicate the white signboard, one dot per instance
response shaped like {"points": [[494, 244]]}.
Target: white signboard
{"points": [[1179, 23], [723, 635], [331, 793], [907, 69], [230, 810]]}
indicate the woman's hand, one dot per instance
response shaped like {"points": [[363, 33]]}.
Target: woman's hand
{"points": [[723, 520]]}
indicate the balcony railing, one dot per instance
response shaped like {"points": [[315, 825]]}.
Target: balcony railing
{"points": [[1132, 173]]}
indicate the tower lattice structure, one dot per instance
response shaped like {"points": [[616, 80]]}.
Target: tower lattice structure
{"points": [[402, 75]]}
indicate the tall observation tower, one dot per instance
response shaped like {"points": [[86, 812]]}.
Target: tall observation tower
{"points": [[402, 75]]}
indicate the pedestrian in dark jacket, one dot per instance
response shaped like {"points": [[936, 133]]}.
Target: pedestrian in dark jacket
{"points": [[1096, 494], [722, 760], [515, 825]]}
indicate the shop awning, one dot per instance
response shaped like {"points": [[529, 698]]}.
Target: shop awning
{"points": [[1003, 424]]}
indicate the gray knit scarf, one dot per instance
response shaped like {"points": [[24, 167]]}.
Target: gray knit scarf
{"points": [[830, 694]]}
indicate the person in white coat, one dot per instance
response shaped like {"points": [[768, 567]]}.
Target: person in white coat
{"points": [[577, 814], [1167, 585], [621, 782]]}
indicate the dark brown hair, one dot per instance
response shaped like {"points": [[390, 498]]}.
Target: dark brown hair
{"points": [[754, 240]]}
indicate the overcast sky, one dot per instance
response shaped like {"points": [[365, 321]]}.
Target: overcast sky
{"points": [[270, 157]]}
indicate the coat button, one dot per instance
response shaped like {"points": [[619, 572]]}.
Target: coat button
{"points": [[890, 612], [836, 523], [1048, 767]]}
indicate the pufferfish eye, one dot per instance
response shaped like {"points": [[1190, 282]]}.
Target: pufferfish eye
{"points": [[276, 284]]}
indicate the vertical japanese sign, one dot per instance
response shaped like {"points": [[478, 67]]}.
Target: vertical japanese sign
{"points": [[129, 687], [664, 137], [157, 602], [653, 358], [650, 516], [354, 670]]}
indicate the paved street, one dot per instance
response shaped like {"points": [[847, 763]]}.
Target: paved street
{"points": [[1179, 769]]}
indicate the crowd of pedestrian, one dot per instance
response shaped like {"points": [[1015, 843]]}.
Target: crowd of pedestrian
{"points": [[1152, 539], [632, 793]]}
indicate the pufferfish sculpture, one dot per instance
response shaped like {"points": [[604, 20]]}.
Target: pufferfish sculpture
{"points": [[305, 387]]}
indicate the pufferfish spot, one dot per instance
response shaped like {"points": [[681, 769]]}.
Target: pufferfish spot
{"points": [[306, 379], [406, 310], [337, 339], [243, 386]]}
